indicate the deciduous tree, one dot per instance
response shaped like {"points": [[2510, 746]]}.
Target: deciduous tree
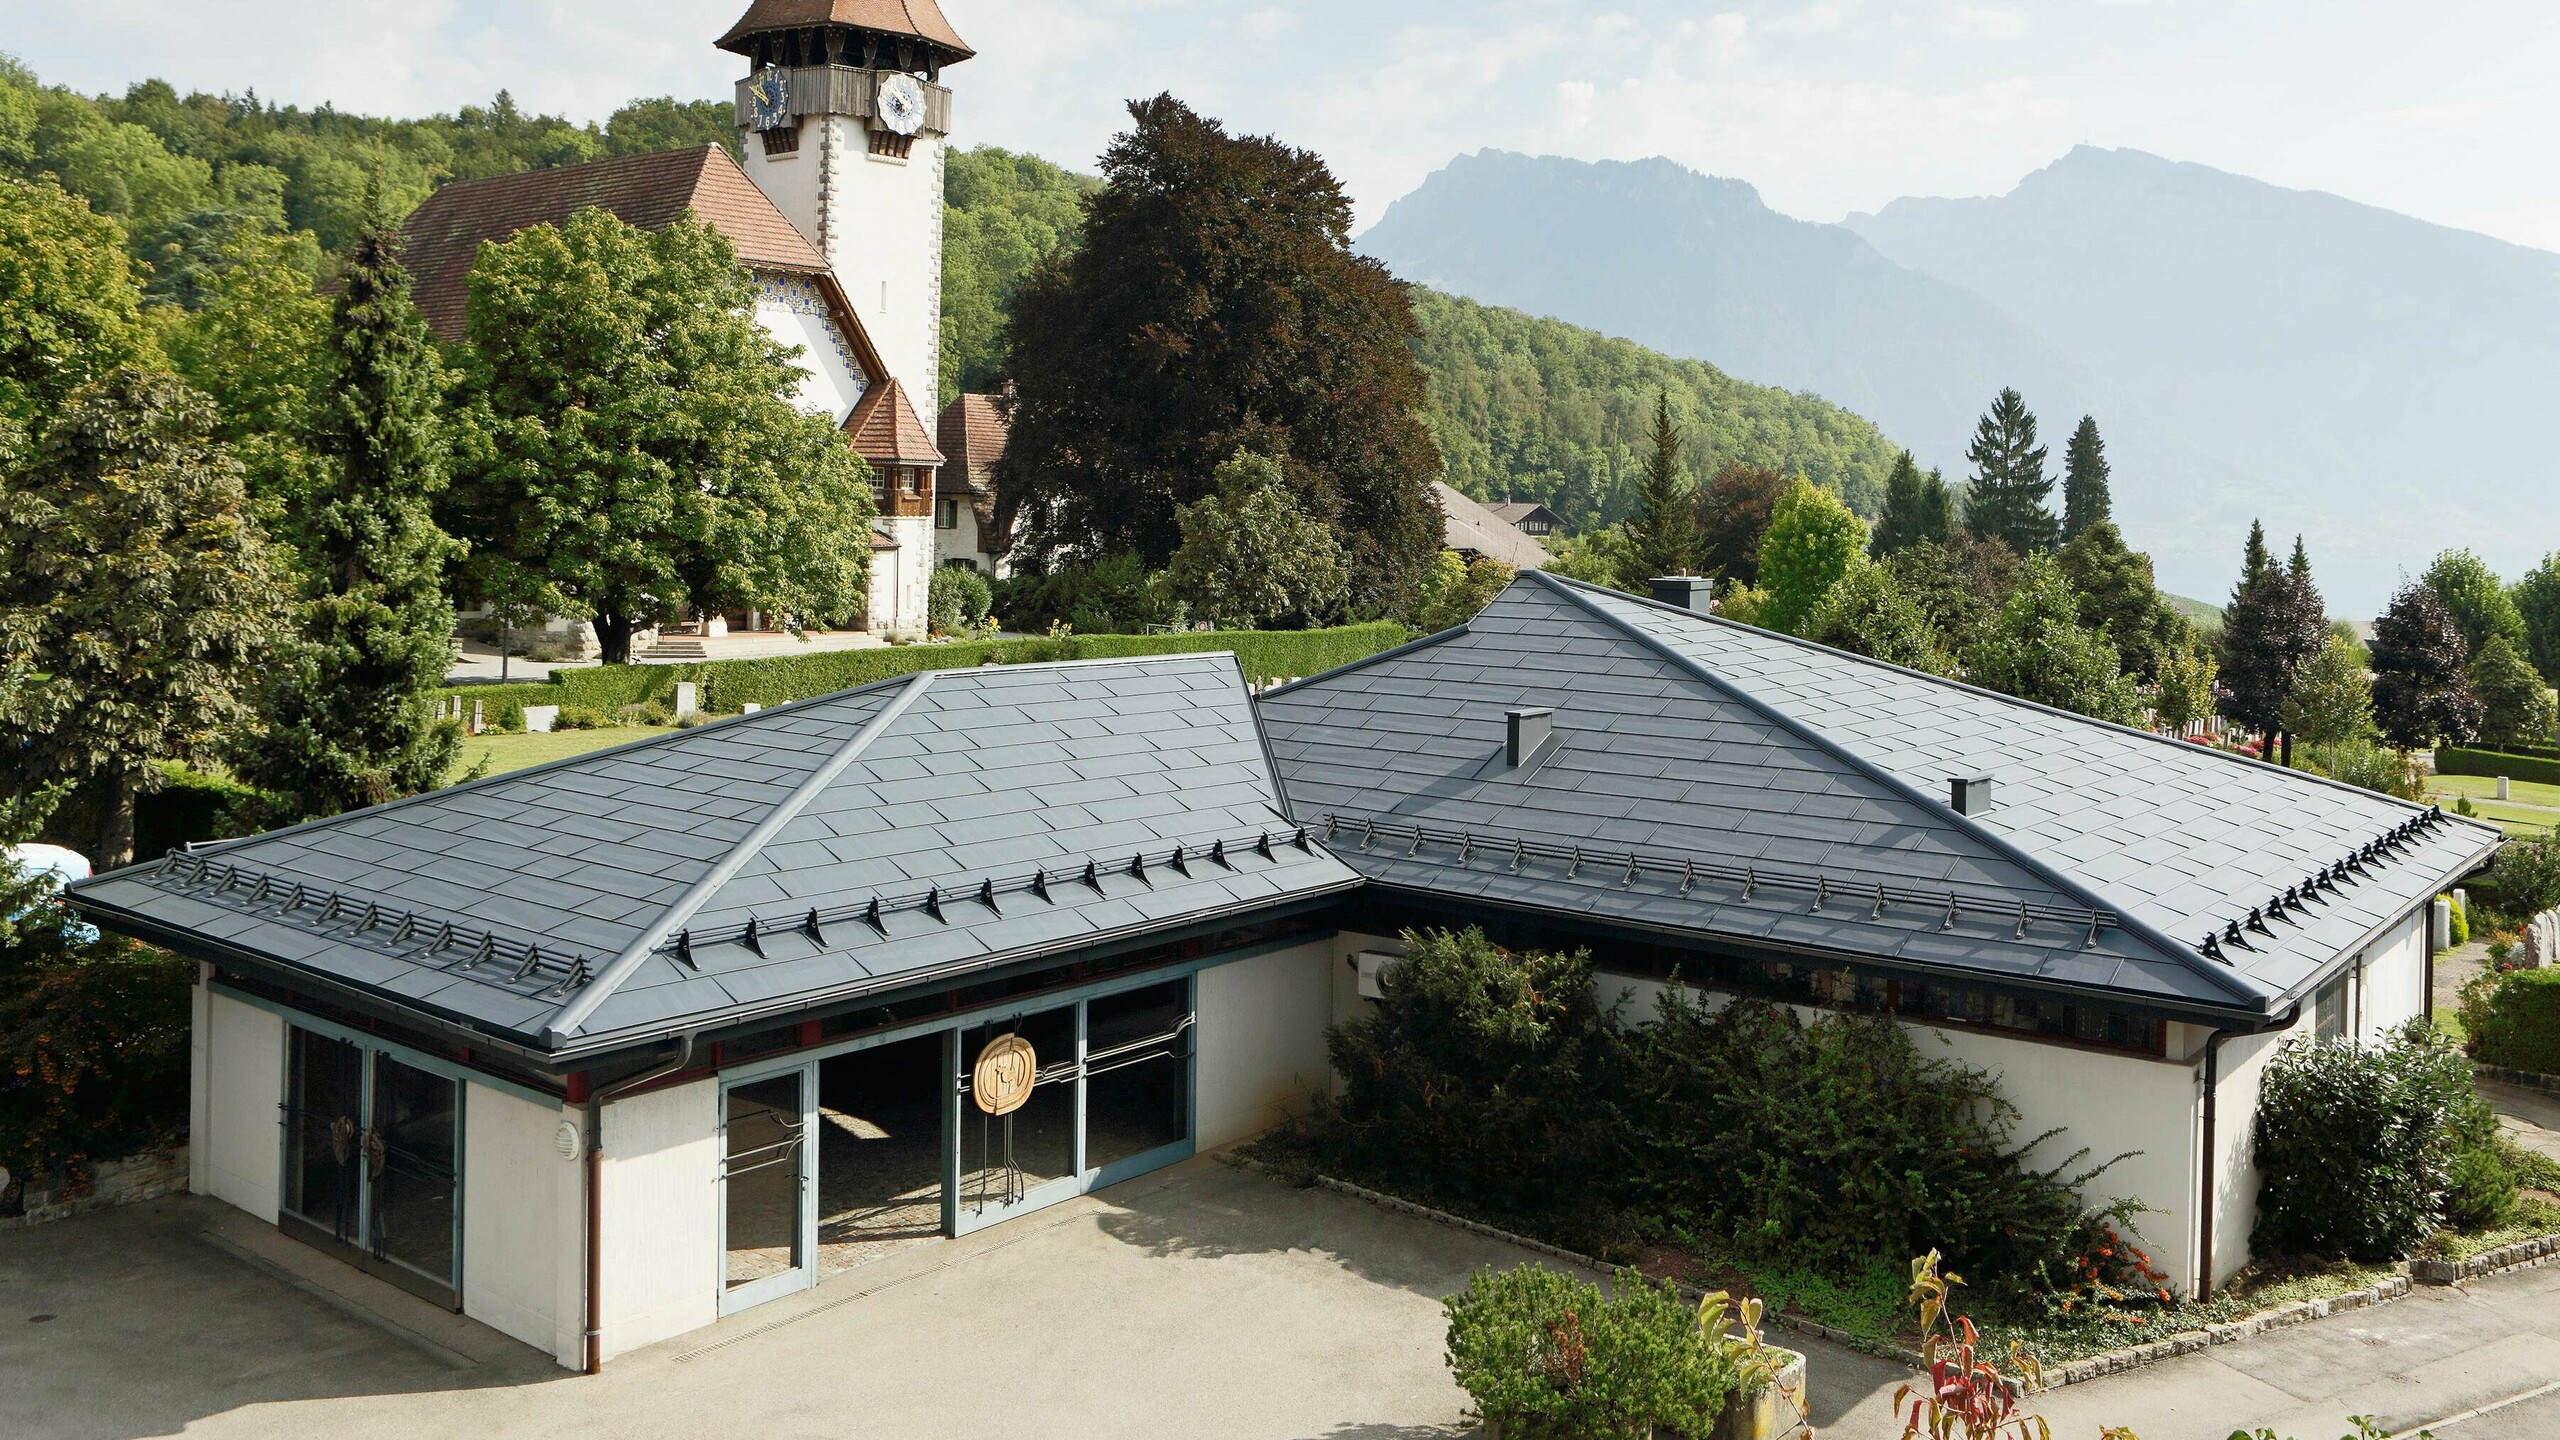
{"points": [[1958, 585], [2478, 599], [2421, 690], [2118, 595], [2516, 707], [2036, 649], [1868, 614], [347, 713], [69, 309], [1252, 557], [1733, 514], [2537, 599], [257, 344], [139, 587], [1214, 305], [1813, 539], [2010, 486], [2086, 496], [2183, 692], [2331, 703], [1662, 536], [1457, 589], [633, 453]]}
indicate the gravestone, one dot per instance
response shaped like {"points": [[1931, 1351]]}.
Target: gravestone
{"points": [[688, 698]]}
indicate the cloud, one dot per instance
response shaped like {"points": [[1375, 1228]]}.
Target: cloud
{"points": [[1982, 23]]}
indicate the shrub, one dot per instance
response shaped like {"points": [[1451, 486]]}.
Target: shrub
{"points": [[1482, 1079], [2355, 1143], [1549, 1356], [2513, 1019], [647, 712], [957, 599], [2372, 767], [582, 717], [1835, 1141], [2527, 875], [2459, 760], [93, 1029], [2480, 1191], [2460, 927]]}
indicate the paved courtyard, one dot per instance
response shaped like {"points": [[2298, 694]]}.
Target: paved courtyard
{"points": [[1200, 1301]]}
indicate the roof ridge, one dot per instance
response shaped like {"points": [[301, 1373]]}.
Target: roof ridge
{"points": [[576, 1010], [2221, 976], [1969, 688]]}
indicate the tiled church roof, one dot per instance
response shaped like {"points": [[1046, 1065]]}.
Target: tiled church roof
{"points": [[920, 18], [885, 430], [442, 237]]}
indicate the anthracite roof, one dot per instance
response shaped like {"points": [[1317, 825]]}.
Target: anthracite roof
{"points": [[608, 898], [1731, 782]]}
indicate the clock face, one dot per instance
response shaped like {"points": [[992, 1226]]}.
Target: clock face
{"points": [[899, 104], [769, 99]]}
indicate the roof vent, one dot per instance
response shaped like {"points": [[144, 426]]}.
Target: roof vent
{"points": [[1689, 592], [1969, 796], [1526, 735]]}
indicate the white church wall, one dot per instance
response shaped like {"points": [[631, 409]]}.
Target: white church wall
{"points": [[794, 312], [884, 237]]}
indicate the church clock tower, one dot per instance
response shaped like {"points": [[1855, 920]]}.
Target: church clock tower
{"points": [[845, 117]]}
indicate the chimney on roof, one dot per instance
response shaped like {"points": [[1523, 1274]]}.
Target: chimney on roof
{"points": [[1526, 735], [1689, 592], [1970, 795]]}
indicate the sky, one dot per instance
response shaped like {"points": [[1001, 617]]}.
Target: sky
{"points": [[2448, 110]]}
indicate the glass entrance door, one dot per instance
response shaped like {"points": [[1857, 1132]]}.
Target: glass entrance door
{"points": [[413, 1195], [768, 1214], [1021, 1114], [372, 1163]]}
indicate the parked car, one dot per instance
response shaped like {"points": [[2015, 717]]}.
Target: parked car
{"points": [[62, 867]]}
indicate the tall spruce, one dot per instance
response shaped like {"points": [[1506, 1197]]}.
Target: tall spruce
{"points": [[1663, 535], [1916, 509], [2086, 498], [2421, 687], [1214, 304], [2010, 486], [348, 709], [2274, 626]]}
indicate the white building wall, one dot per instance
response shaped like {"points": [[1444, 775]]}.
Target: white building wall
{"points": [[2394, 988], [793, 311], [661, 1220], [901, 579], [878, 221], [522, 1269], [2108, 1103], [1261, 1040], [239, 1145]]}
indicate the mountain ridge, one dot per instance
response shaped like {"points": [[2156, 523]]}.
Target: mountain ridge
{"points": [[2337, 369]]}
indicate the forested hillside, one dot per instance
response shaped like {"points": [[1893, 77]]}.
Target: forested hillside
{"points": [[186, 175], [1528, 408], [1524, 408]]}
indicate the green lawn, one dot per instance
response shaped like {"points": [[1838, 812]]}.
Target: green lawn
{"points": [[2532, 808], [515, 752]]}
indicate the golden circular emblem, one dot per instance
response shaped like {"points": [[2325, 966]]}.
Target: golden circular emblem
{"points": [[1002, 1081]]}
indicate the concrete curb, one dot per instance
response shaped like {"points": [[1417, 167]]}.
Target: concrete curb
{"points": [[2516, 1255], [2109, 1362], [2528, 1079]]}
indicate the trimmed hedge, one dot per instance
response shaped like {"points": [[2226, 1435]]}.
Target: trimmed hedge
{"points": [[189, 806], [2521, 1027], [2456, 760], [730, 685]]}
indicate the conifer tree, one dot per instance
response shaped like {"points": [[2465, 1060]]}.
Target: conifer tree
{"points": [[1662, 536], [1916, 508], [348, 708], [2086, 499], [2010, 486], [2273, 627]]}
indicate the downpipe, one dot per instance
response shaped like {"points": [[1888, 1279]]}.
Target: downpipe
{"points": [[595, 1191]]}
